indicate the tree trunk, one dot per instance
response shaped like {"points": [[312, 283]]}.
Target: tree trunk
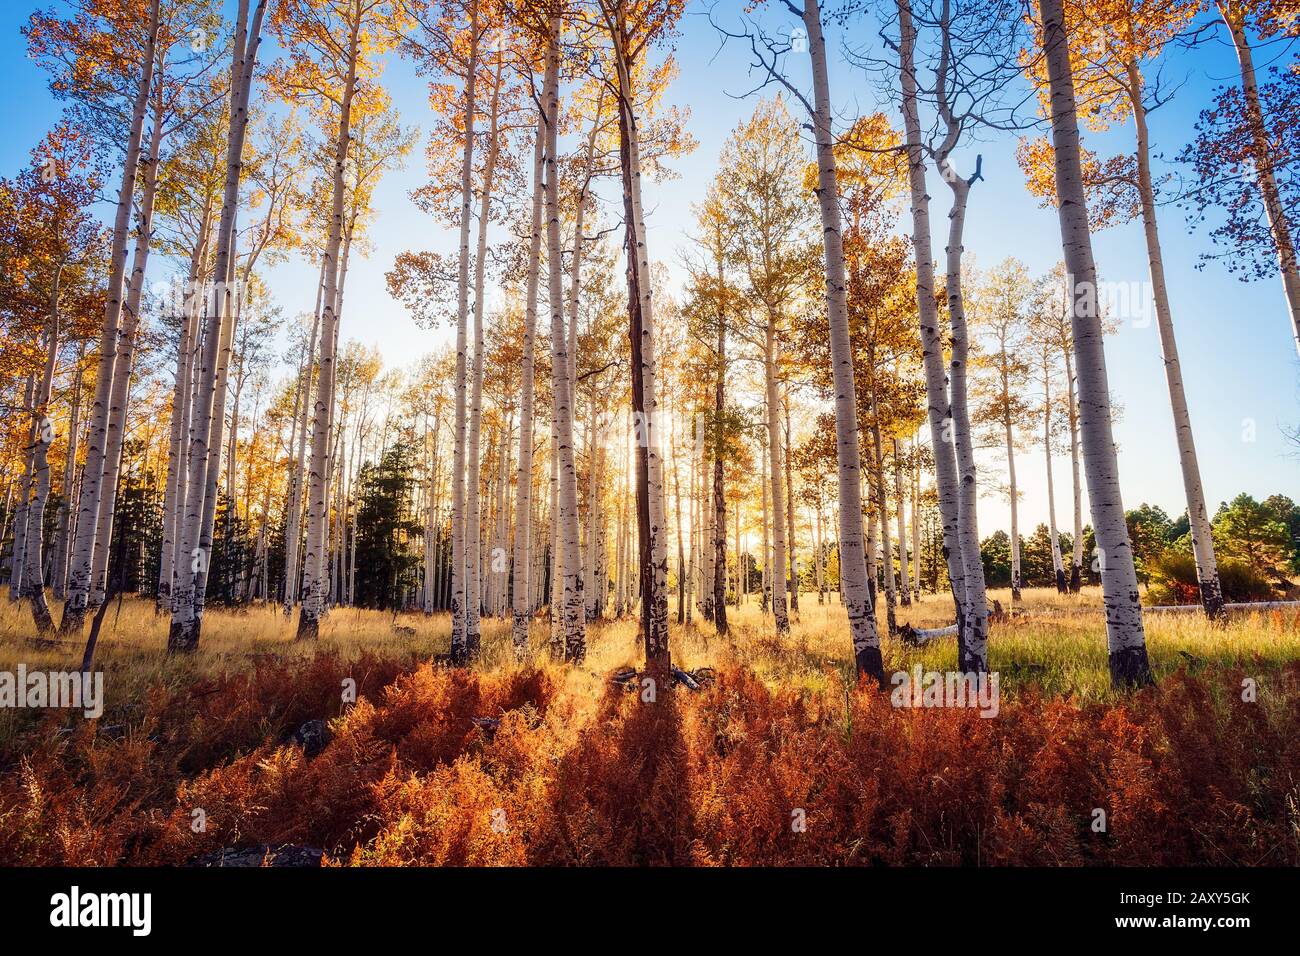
{"points": [[939, 410], [63, 529], [92, 482], [853, 565], [1207, 570], [1013, 492], [473, 509], [776, 573], [293, 533], [524, 488], [124, 361], [973, 654], [904, 577], [790, 507], [180, 419], [1058, 567], [42, 432], [652, 528], [1125, 635], [186, 602], [1263, 156], [25, 490], [315, 584], [572, 605]]}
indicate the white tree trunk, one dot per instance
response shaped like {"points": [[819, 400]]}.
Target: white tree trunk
{"points": [[315, 585], [1207, 569], [1058, 566], [939, 412], [904, 577], [522, 609], [42, 434], [776, 574], [92, 482], [473, 507], [1126, 638], [853, 565], [124, 362], [1263, 155], [973, 654], [192, 568], [459, 590], [572, 607], [1013, 492], [180, 420], [654, 576]]}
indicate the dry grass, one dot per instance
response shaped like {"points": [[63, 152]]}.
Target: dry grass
{"points": [[1059, 647], [585, 774]]}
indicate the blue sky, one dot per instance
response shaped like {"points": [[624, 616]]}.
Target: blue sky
{"points": [[1239, 361]]}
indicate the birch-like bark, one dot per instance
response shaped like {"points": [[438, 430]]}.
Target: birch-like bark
{"points": [[1125, 635], [1263, 155], [187, 605], [63, 524], [718, 549], [92, 481], [315, 584], [1207, 569], [1076, 482], [180, 419], [522, 610], [572, 605], [293, 533], [124, 360], [853, 565], [973, 635], [904, 585], [1058, 567], [882, 500], [473, 507], [25, 489], [938, 407], [653, 534], [916, 525], [790, 507], [1009, 434], [459, 633], [42, 434], [776, 573]]}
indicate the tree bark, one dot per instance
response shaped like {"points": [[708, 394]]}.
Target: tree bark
{"points": [[853, 565], [1125, 635], [939, 409], [904, 577], [1263, 154], [522, 610], [1207, 569], [650, 509], [187, 603], [315, 584], [92, 482], [776, 573], [572, 605]]}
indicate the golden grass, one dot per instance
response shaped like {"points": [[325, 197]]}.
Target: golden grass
{"points": [[1058, 648]]}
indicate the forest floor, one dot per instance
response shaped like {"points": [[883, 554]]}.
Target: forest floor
{"points": [[255, 742]]}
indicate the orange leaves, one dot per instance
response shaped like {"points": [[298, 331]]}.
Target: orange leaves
{"points": [[738, 774], [1111, 185]]}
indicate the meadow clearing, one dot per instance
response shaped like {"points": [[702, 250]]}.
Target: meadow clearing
{"points": [[778, 759]]}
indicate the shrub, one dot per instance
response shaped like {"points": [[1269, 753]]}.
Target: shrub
{"points": [[1174, 581]]}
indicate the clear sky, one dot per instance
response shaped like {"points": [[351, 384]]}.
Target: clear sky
{"points": [[1239, 362]]}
